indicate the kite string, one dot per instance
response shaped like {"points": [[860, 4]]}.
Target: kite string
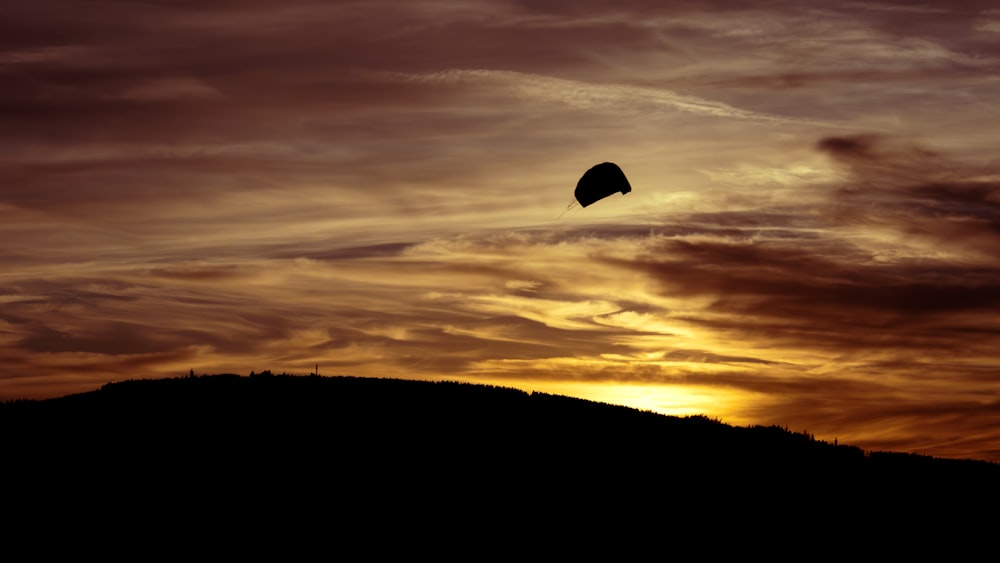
{"points": [[571, 205]]}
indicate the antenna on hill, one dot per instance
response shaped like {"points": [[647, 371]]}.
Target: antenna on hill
{"points": [[317, 370]]}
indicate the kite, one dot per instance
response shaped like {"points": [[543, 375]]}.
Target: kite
{"points": [[599, 182]]}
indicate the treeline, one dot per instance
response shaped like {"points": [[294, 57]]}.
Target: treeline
{"points": [[465, 446], [313, 405]]}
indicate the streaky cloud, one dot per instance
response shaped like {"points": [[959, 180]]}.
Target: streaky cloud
{"points": [[589, 95]]}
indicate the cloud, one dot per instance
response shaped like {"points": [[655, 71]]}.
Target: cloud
{"points": [[917, 193], [579, 94]]}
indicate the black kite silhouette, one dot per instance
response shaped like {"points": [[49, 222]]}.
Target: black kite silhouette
{"points": [[599, 182]]}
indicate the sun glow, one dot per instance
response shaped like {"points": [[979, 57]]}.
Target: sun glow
{"points": [[666, 399]]}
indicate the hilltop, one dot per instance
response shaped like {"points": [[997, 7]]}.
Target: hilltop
{"points": [[398, 445]]}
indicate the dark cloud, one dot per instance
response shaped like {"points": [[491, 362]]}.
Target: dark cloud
{"points": [[200, 273], [113, 338], [827, 291], [831, 77], [881, 158], [916, 191], [710, 357], [382, 250]]}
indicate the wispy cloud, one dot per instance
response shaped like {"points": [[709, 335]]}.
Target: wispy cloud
{"points": [[623, 98]]}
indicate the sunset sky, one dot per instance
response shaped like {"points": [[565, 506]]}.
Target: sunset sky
{"points": [[812, 239]]}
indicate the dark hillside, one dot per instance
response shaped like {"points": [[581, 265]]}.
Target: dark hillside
{"points": [[230, 443]]}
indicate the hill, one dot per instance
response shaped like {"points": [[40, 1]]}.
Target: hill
{"points": [[383, 448]]}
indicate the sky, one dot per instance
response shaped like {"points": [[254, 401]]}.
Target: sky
{"points": [[380, 188]]}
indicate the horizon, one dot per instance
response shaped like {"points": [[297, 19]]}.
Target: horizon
{"points": [[382, 190], [268, 374]]}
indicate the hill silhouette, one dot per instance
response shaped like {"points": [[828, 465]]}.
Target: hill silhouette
{"points": [[407, 450]]}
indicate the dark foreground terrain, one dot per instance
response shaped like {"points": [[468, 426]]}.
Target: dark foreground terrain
{"points": [[389, 454]]}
